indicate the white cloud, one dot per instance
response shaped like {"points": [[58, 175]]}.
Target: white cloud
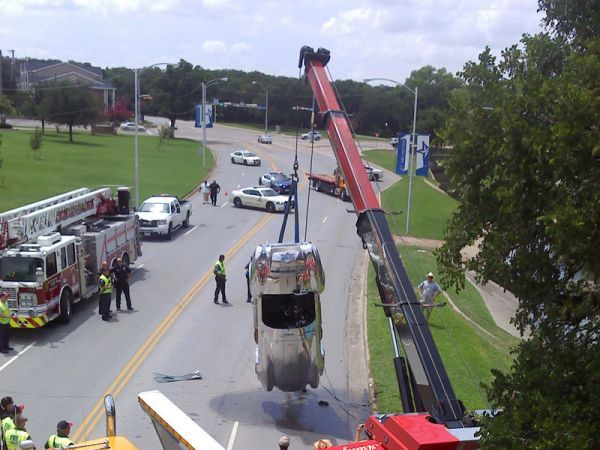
{"points": [[213, 46], [353, 20]]}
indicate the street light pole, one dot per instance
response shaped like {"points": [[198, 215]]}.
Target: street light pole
{"points": [[411, 161], [266, 105], [204, 86], [137, 120], [412, 151]]}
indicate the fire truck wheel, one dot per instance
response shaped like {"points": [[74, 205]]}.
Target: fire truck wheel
{"points": [[66, 305], [186, 222], [169, 232], [126, 260], [318, 186]]}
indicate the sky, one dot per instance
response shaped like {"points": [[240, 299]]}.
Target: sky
{"points": [[367, 38]]}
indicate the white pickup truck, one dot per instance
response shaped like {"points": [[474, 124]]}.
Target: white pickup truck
{"points": [[161, 214]]}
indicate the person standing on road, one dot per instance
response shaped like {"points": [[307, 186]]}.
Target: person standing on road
{"points": [[16, 435], [205, 191], [121, 273], [214, 191], [5, 316], [61, 438], [9, 414], [248, 280], [219, 272], [429, 290], [106, 287]]}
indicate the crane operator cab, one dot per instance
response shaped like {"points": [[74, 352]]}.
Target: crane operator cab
{"points": [[285, 281]]}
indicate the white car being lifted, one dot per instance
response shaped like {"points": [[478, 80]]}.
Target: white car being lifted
{"points": [[161, 214]]}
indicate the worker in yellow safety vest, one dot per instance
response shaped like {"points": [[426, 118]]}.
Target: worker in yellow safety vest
{"points": [[219, 272], [106, 288], [61, 438], [9, 413], [15, 436]]}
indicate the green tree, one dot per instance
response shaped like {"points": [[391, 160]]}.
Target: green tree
{"points": [[69, 105], [5, 108], [526, 166]]}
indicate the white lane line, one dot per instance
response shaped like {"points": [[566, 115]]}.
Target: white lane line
{"points": [[224, 204], [138, 267], [243, 173], [324, 220], [232, 436], [188, 232], [14, 358], [238, 186]]}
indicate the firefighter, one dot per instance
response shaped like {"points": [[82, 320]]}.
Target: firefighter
{"points": [[9, 412], [220, 279], [15, 436], [61, 438], [106, 288], [4, 324]]}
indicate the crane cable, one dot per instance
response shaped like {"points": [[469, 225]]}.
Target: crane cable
{"points": [[310, 168]]}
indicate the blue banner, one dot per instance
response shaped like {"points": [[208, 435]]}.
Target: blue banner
{"points": [[422, 155], [402, 153], [198, 116]]}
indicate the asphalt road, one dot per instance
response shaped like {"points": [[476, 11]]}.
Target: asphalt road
{"points": [[63, 371]]}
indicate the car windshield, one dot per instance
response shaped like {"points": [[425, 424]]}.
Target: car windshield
{"points": [[154, 207], [279, 177], [251, 154], [19, 268], [269, 193]]}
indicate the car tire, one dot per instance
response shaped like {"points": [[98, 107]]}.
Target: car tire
{"points": [[270, 207], [232, 161], [66, 306], [169, 234], [237, 202], [186, 222], [260, 181], [245, 162], [375, 177]]}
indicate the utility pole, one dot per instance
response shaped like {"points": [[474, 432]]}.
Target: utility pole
{"points": [[0, 72], [12, 65]]}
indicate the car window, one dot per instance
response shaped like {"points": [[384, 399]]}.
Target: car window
{"points": [[251, 192], [269, 193], [280, 177], [268, 177], [249, 154], [154, 207], [237, 153]]}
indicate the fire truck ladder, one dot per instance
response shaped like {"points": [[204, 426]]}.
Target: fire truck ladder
{"points": [[36, 219], [424, 382]]}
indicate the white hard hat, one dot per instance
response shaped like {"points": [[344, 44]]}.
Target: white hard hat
{"points": [[430, 274]]}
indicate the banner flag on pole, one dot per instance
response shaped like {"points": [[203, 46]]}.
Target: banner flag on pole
{"points": [[422, 155], [208, 114], [402, 153]]}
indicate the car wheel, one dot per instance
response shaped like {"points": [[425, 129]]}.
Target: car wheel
{"points": [[245, 162], [237, 202], [186, 222], [375, 177], [317, 138], [270, 207], [66, 303], [232, 161], [169, 232]]}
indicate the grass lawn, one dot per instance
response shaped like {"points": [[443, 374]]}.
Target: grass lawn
{"points": [[430, 209], [91, 161], [468, 353]]}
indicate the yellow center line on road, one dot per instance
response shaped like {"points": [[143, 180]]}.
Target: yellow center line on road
{"points": [[91, 420]]}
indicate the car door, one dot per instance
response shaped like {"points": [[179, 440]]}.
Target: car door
{"points": [[266, 180], [249, 197], [236, 157]]}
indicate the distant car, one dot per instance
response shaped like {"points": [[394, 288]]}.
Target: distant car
{"points": [[313, 135], [373, 173], [394, 142], [259, 197], [265, 139], [130, 126], [278, 181], [245, 157]]}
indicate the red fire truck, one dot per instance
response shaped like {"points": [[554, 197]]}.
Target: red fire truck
{"points": [[52, 251]]}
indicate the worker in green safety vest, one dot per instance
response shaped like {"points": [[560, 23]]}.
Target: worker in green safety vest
{"points": [[219, 272], [14, 436], [61, 438]]}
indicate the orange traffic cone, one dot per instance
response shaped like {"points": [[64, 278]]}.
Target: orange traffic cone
{"points": [[225, 193]]}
